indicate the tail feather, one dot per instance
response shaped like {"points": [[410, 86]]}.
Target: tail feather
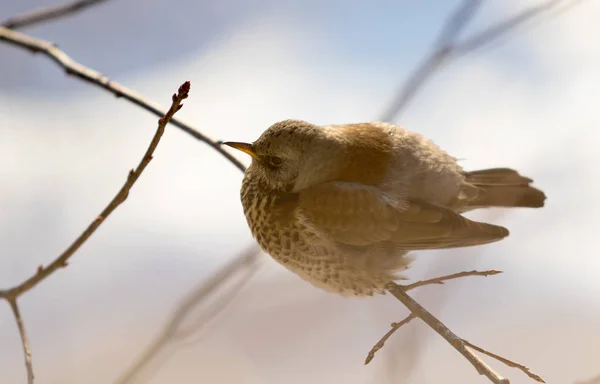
{"points": [[503, 187]]}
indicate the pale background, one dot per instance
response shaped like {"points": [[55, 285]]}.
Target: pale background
{"points": [[530, 103]]}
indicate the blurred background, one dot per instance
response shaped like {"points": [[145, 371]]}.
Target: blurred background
{"points": [[528, 101]]}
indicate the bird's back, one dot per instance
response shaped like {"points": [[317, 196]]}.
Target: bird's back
{"points": [[403, 164]]}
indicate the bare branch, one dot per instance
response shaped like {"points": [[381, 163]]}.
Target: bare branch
{"points": [[45, 14], [443, 279], [120, 197], [381, 342], [173, 328], [458, 343], [89, 75], [505, 361], [24, 340], [437, 280]]}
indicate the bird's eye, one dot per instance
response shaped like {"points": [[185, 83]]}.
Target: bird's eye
{"points": [[275, 161]]}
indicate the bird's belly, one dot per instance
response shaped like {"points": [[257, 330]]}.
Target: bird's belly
{"points": [[302, 252], [303, 249]]}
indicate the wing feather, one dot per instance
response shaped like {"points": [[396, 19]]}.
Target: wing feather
{"points": [[358, 215]]}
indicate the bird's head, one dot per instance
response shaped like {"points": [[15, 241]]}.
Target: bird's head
{"points": [[281, 154]]}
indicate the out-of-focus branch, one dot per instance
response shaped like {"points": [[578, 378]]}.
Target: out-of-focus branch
{"points": [[24, 340], [501, 29], [174, 328], [442, 49], [448, 46], [12, 294], [458, 343], [45, 14], [91, 76]]}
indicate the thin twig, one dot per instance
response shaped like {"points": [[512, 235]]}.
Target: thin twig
{"points": [[186, 306], [447, 334], [120, 197], [505, 361], [14, 306], [443, 279], [91, 76], [408, 287], [45, 14], [381, 342]]}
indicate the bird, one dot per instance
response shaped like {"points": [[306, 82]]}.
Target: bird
{"points": [[344, 206]]}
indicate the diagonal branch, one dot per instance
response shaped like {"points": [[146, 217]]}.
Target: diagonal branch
{"points": [[501, 29], [91, 76], [45, 14], [441, 51], [381, 342], [420, 312], [174, 329], [120, 197], [408, 287], [458, 343]]}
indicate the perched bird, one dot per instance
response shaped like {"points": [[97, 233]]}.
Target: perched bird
{"points": [[342, 205]]}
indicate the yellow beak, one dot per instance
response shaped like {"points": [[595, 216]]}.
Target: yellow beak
{"points": [[244, 147]]}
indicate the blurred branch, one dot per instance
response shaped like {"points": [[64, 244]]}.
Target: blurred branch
{"points": [[442, 49], [24, 340], [501, 29], [91, 76], [448, 46], [45, 14], [459, 344], [174, 329], [12, 294], [437, 280]]}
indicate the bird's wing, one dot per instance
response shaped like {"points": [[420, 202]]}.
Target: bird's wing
{"points": [[359, 215]]}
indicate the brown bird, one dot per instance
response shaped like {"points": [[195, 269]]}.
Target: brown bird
{"points": [[342, 205]]}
